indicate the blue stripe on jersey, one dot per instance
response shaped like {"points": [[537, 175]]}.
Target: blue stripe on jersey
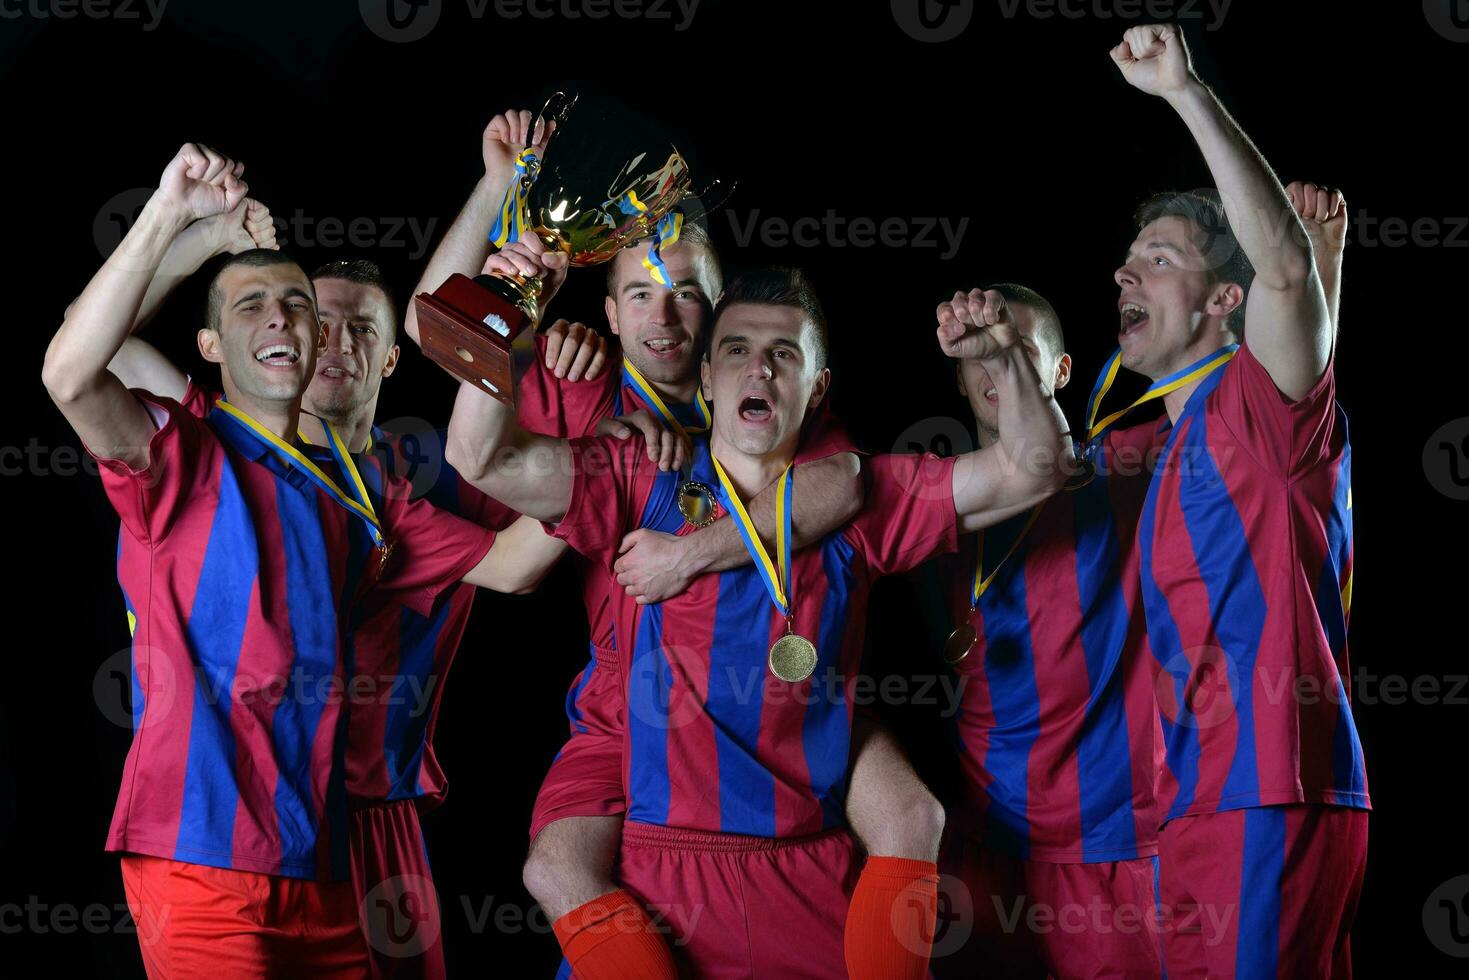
{"points": [[564, 972], [1009, 663], [574, 695], [1348, 766], [1104, 768], [649, 682], [737, 664], [215, 631], [312, 610], [135, 684], [1257, 948], [405, 730], [827, 729], [1221, 551]]}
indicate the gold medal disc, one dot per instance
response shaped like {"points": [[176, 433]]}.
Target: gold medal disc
{"points": [[959, 643], [696, 503], [793, 658]]}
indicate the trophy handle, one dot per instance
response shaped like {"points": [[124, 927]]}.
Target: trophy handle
{"points": [[697, 205]]}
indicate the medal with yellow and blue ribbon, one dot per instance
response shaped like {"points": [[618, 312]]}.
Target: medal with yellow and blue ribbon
{"points": [[695, 499], [962, 640], [1196, 371], [355, 500], [792, 657]]}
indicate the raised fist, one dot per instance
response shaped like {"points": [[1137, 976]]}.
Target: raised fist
{"points": [[1323, 212], [976, 325], [201, 182], [1154, 59]]}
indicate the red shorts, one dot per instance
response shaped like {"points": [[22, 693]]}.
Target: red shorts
{"points": [[585, 780], [744, 906], [1002, 916], [1264, 892], [394, 892], [198, 921]]}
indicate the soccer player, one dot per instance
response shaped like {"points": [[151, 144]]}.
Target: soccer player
{"points": [[733, 775], [242, 555], [1245, 551], [1057, 724]]}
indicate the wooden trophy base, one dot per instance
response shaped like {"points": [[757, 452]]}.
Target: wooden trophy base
{"points": [[467, 330]]}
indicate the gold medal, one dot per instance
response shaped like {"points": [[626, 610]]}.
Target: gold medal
{"points": [[696, 503], [383, 554], [959, 643], [793, 658]]}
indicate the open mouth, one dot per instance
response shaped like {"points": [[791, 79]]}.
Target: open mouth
{"points": [[335, 372], [1134, 318], [756, 409], [278, 355], [663, 346], [992, 396]]}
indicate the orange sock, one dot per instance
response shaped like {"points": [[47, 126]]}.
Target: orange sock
{"points": [[612, 938], [891, 919]]}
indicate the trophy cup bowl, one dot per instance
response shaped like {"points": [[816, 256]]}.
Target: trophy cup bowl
{"points": [[604, 186]]}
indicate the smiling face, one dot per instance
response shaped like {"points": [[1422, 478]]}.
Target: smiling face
{"points": [[762, 378], [1172, 309], [358, 350], [264, 331], [662, 330]]}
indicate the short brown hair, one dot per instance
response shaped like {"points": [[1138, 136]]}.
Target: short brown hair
{"points": [[364, 272], [1224, 259], [780, 285]]}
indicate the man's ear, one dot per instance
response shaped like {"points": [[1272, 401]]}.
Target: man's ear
{"points": [[1063, 372], [610, 305], [209, 347], [818, 390], [1225, 299], [392, 361], [959, 379], [706, 380]]}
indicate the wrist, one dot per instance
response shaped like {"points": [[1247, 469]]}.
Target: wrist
{"points": [[168, 214], [1192, 93]]}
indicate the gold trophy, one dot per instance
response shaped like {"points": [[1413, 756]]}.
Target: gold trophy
{"points": [[605, 185]]}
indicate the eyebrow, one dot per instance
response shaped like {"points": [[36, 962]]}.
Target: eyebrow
{"points": [[678, 284], [1165, 245], [779, 341]]}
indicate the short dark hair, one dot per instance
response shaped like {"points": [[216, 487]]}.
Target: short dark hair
{"points": [[1047, 321], [364, 272], [711, 274], [254, 258], [1224, 259], [779, 285]]}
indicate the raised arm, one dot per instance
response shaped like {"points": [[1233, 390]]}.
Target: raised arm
{"points": [[196, 184], [654, 566], [1286, 320], [1033, 455], [138, 363], [465, 245], [1323, 212]]}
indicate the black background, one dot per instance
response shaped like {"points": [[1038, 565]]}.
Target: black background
{"points": [[1020, 124]]}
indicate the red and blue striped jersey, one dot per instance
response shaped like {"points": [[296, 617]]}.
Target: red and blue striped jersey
{"points": [[713, 740], [1057, 726], [573, 409], [238, 574], [397, 654], [1246, 549]]}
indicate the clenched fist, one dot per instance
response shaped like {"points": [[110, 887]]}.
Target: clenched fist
{"points": [[1154, 59], [976, 325], [200, 182]]}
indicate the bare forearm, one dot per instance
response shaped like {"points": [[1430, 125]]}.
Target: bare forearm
{"points": [[529, 473], [465, 245], [519, 560], [1255, 202], [1032, 456], [102, 317]]}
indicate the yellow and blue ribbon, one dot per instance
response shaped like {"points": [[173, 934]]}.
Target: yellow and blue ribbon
{"points": [[514, 217], [777, 577], [667, 232], [1196, 371], [357, 502], [982, 581], [634, 379]]}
